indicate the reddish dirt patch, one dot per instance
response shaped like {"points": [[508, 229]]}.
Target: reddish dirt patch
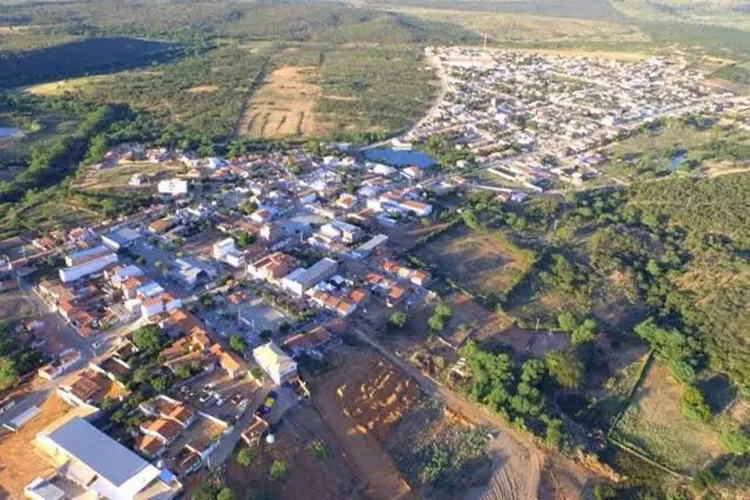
{"points": [[330, 477], [362, 400]]}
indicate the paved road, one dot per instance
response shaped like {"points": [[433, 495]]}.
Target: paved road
{"points": [[68, 339], [229, 441]]}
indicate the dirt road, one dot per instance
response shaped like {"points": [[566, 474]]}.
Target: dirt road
{"points": [[518, 463]]}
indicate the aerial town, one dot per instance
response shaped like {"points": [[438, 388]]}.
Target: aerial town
{"points": [[536, 119], [248, 265]]}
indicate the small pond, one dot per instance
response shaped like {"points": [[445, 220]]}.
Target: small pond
{"points": [[400, 158], [10, 132]]}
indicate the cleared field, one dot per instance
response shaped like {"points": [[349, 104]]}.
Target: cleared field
{"points": [[71, 85], [339, 395], [395, 434], [16, 306], [655, 425], [530, 28], [484, 262], [284, 105]]}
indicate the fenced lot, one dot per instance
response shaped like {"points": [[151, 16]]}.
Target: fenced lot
{"points": [[485, 263], [654, 425]]}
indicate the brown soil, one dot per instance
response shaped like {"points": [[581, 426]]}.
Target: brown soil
{"points": [[318, 478], [362, 400], [284, 105]]}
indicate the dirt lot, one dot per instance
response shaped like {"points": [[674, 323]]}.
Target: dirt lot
{"points": [[654, 424], [361, 416], [15, 305], [481, 261], [284, 105], [117, 177], [21, 462], [329, 477]]}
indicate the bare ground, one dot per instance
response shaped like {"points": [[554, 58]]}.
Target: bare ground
{"points": [[284, 105]]}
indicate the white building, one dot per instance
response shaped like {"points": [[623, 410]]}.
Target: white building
{"points": [[174, 187], [103, 467], [87, 262], [275, 363], [221, 248], [301, 279]]}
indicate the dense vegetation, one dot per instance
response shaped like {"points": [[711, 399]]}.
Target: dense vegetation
{"points": [[93, 55]]}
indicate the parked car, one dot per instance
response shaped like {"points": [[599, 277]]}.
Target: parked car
{"points": [[267, 405]]}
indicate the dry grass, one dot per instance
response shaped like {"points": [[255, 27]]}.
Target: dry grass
{"points": [[283, 106], [203, 89], [21, 461], [654, 424], [501, 26], [481, 261], [71, 85]]}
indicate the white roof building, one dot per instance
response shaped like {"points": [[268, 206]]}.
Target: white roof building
{"points": [[175, 187], [275, 362], [103, 466]]}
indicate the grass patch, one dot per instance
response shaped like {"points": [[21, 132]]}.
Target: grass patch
{"points": [[486, 263], [654, 425]]}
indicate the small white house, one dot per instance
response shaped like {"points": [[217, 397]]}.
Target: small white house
{"points": [[174, 187], [275, 363]]}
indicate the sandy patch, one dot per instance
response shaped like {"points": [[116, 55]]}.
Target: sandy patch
{"points": [[283, 106], [203, 89]]}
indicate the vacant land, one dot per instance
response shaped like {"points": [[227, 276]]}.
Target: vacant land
{"points": [[654, 424], [484, 262], [284, 105], [16, 305], [360, 429], [510, 27], [325, 474], [398, 438]]}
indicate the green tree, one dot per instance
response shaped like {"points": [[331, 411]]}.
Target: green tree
{"points": [[567, 322], [436, 323], [161, 383], [585, 332], [244, 457], [320, 450], [694, 404], [183, 372], [398, 319], [553, 435], [8, 373], [279, 470], [238, 344], [141, 374], [565, 368], [147, 337], [225, 494]]}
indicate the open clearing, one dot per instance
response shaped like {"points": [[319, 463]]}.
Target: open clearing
{"points": [[328, 477], [360, 421], [15, 305], [391, 430], [655, 425], [482, 261], [70, 85], [529, 27], [284, 104]]}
